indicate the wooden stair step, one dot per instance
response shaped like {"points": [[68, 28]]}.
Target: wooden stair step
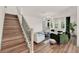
{"points": [[11, 43], [10, 18], [10, 21], [12, 38], [10, 15], [12, 30], [13, 34], [5, 33], [9, 36], [5, 25], [16, 49], [14, 24]]}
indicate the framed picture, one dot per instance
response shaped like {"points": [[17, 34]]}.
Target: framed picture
{"points": [[56, 24]]}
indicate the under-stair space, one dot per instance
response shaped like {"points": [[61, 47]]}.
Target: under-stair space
{"points": [[13, 38]]}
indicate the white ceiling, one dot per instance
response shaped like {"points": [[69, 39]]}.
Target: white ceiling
{"points": [[36, 11]]}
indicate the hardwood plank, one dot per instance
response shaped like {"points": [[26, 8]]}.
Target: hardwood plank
{"points": [[69, 47]]}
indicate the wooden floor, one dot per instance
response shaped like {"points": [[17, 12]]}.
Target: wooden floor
{"points": [[13, 39], [70, 47]]}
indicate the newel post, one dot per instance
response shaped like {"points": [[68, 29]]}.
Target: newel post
{"points": [[32, 39]]}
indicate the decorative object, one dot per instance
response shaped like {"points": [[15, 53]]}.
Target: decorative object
{"points": [[72, 27], [63, 38], [52, 41]]}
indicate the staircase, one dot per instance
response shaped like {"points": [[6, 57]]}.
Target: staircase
{"points": [[13, 38]]}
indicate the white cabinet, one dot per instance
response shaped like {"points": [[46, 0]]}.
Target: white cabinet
{"points": [[39, 37]]}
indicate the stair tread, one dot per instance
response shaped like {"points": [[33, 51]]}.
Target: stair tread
{"points": [[11, 15], [12, 30], [5, 33], [16, 49], [11, 43], [10, 18], [12, 38], [10, 21]]}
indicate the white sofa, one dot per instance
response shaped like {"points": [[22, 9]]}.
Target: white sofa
{"points": [[39, 37]]}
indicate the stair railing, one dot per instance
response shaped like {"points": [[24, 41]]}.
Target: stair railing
{"points": [[27, 31]]}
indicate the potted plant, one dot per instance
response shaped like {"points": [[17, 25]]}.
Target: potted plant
{"points": [[72, 28]]}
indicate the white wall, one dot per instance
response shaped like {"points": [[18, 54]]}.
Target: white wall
{"points": [[72, 12], [77, 26], [11, 10], [33, 22], [1, 22]]}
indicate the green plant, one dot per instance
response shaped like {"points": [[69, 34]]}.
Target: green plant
{"points": [[64, 38], [72, 25]]}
